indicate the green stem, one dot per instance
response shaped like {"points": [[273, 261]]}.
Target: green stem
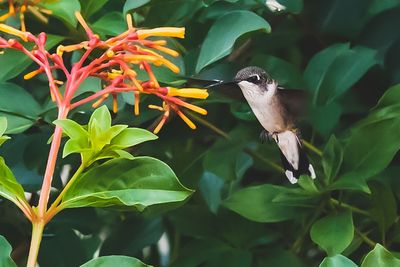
{"points": [[347, 206], [275, 166], [312, 147], [209, 125], [53, 208], [37, 232], [365, 238]]}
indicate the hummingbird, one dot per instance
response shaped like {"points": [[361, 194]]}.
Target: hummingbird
{"points": [[278, 111]]}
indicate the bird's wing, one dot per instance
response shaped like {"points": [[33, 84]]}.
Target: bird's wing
{"points": [[295, 101]]}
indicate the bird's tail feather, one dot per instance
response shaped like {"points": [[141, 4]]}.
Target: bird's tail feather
{"points": [[293, 157]]}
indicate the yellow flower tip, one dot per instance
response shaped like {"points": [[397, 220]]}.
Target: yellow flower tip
{"points": [[110, 53], [186, 120], [170, 65], [188, 92], [167, 50], [58, 82], [10, 30], [32, 74], [129, 22], [60, 50], [23, 8], [1, 52], [115, 104], [155, 107], [82, 21], [162, 31]]}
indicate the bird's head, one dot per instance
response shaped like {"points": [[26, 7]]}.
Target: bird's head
{"points": [[254, 79]]}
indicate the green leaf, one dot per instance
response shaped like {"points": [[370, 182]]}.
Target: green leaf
{"points": [[381, 257], [3, 128], [283, 71], [14, 62], [120, 261], [132, 234], [384, 206], [135, 184], [210, 187], [133, 4], [257, 203], [19, 117], [331, 72], [100, 121], [333, 233], [332, 158], [111, 24], [216, 161], [75, 146], [9, 187], [90, 84], [64, 10], [337, 261], [5, 251], [131, 137], [72, 129], [90, 7], [372, 143], [3, 125], [220, 39]]}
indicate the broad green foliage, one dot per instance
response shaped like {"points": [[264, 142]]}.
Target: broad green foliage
{"points": [[334, 232], [134, 184], [9, 187], [379, 256], [242, 211], [5, 250], [219, 41], [99, 140]]}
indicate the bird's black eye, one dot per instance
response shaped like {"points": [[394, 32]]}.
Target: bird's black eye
{"points": [[254, 79]]}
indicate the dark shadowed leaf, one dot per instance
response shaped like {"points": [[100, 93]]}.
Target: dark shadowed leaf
{"points": [[14, 62], [331, 72], [210, 187], [257, 203], [220, 39], [132, 235], [64, 10], [384, 207], [332, 158], [132, 4], [372, 143], [19, 116]]}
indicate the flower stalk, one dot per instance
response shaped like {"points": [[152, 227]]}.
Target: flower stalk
{"points": [[122, 57]]}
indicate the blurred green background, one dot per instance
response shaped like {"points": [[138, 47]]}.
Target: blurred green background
{"points": [[244, 212]]}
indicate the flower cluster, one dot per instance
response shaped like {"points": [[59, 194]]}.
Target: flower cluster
{"points": [[117, 65]]}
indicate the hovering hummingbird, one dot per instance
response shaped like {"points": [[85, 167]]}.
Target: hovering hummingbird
{"points": [[278, 111]]}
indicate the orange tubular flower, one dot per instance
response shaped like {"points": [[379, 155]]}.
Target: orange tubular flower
{"points": [[117, 66]]}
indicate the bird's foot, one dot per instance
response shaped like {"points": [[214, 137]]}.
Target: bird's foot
{"points": [[265, 135]]}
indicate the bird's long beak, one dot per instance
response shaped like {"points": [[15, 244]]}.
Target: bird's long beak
{"points": [[219, 83]]}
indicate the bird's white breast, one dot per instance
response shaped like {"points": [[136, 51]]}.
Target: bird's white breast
{"points": [[264, 105]]}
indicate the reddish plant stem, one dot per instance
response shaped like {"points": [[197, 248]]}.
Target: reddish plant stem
{"points": [[51, 162]]}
